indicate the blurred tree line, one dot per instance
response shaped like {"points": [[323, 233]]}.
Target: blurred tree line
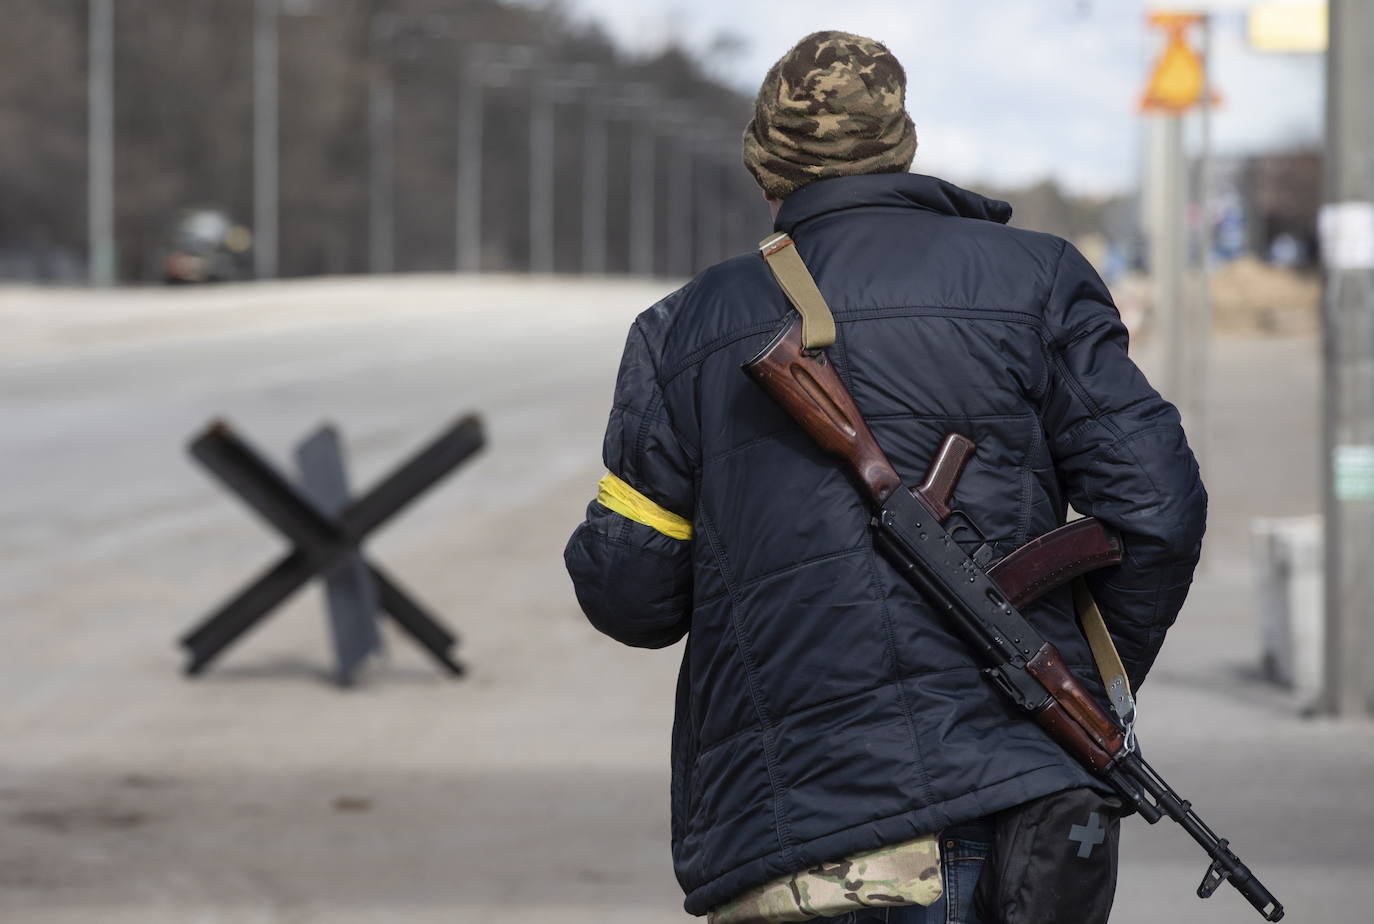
{"points": [[184, 121], [184, 136]]}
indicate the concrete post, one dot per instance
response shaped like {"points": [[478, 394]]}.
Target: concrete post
{"points": [[1347, 225]]}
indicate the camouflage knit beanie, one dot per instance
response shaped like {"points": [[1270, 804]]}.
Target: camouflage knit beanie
{"points": [[835, 105]]}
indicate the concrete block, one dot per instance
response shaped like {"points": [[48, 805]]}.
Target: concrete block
{"points": [[1287, 553]]}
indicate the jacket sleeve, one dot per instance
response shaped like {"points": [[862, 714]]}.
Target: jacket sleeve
{"points": [[1121, 455], [630, 560]]}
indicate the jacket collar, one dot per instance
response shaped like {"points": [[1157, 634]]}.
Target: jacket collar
{"points": [[901, 190]]}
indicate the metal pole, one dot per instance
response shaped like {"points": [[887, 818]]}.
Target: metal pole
{"points": [[541, 178], [708, 207], [100, 145], [265, 127], [680, 209], [642, 199], [381, 121], [1201, 339], [469, 201], [1168, 253], [1347, 223], [722, 158], [594, 174], [738, 194], [484, 64], [729, 190]]}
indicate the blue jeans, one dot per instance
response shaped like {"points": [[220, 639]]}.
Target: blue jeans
{"points": [[963, 848]]}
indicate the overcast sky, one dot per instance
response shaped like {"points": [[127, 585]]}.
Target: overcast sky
{"points": [[1005, 91]]}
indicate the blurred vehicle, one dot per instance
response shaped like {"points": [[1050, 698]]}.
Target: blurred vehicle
{"points": [[206, 245]]}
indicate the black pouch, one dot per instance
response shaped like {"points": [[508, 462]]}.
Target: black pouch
{"points": [[1053, 861]]}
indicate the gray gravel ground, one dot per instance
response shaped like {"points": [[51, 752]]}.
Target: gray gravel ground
{"points": [[535, 789]]}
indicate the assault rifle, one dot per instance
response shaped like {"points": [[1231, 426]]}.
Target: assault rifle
{"points": [[915, 529]]}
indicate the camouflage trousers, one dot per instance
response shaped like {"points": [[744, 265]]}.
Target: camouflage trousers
{"points": [[963, 848]]}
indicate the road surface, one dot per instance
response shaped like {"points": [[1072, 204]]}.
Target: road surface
{"points": [[536, 789]]}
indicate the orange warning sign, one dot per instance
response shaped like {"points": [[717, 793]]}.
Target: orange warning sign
{"points": [[1178, 80]]}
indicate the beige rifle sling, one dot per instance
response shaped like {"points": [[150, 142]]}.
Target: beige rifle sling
{"points": [[1104, 653], [818, 324]]}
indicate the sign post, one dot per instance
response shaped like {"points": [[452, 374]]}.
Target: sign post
{"points": [[1347, 243], [1178, 84]]}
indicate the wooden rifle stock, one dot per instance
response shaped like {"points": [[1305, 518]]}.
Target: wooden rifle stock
{"points": [[813, 394]]}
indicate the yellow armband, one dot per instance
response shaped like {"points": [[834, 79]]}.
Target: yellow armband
{"points": [[615, 494]]}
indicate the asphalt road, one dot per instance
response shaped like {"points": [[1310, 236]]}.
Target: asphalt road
{"points": [[536, 788]]}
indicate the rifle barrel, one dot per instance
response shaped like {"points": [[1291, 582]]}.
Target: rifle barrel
{"points": [[1226, 866]]}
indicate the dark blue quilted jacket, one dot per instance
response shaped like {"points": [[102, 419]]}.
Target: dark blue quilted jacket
{"points": [[822, 708]]}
